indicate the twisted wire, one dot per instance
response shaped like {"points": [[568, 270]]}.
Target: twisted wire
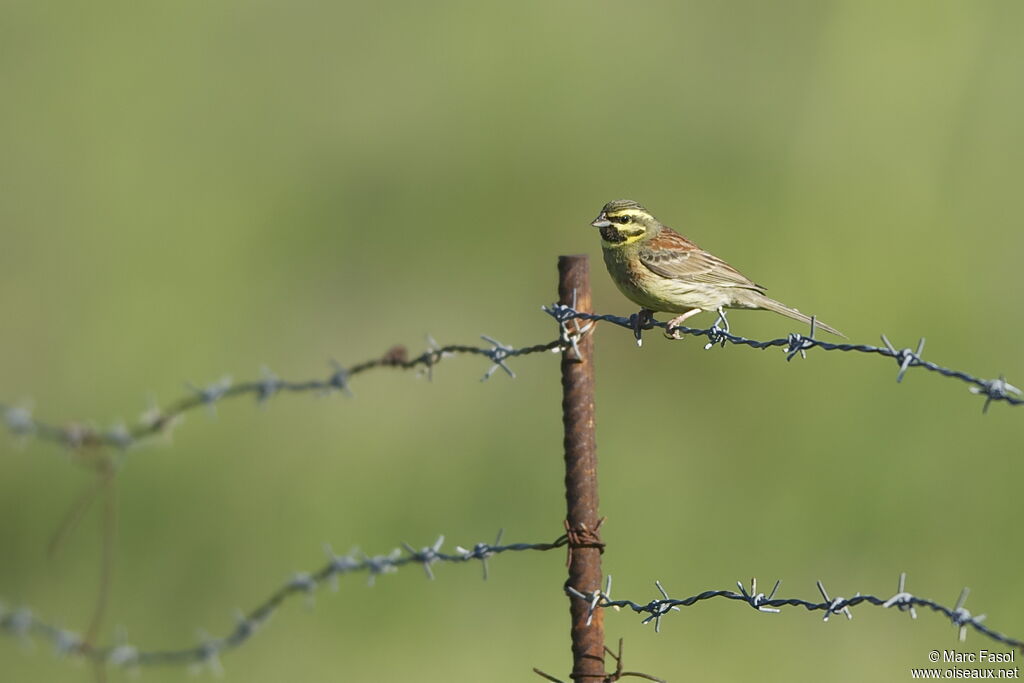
{"points": [[23, 622], [992, 389], [904, 601], [21, 422]]}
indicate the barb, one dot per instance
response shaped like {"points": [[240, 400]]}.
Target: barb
{"points": [[23, 623], [993, 389], [902, 600]]}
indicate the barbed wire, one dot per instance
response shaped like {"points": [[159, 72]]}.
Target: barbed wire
{"points": [[156, 420], [22, 622], [992, 389], [904, 601]]}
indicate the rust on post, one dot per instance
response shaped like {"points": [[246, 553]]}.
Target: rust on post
{"points": [[582, 520]]}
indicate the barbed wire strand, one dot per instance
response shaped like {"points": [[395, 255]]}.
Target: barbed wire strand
{"points": [[23, 622], [156, 420], [904, 601], [992, 389]]}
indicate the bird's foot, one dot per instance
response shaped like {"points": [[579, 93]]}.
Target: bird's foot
{"points": [[671, 327], [641, 321]]}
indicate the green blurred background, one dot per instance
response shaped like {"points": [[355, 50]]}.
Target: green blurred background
{"points": [[191, 190]]}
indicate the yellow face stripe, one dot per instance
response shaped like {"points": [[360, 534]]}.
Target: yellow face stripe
{"points": [[630, 238]]}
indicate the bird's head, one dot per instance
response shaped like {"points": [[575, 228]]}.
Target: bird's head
{"points": [[623, 222]]}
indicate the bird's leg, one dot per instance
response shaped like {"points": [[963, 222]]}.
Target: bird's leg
{"points": [[641, 321], [675, 322]]}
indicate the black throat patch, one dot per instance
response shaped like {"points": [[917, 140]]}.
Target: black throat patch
{"points": [[610, 234]]}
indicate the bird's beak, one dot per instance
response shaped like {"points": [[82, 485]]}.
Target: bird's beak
{"points": [[601, 221]]}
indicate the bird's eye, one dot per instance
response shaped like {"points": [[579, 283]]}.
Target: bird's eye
{"points": [[621, 219]]}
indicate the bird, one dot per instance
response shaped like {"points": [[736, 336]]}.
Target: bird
{"points": [[659, 269]]}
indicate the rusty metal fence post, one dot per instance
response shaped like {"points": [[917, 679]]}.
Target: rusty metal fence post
{"points": [[582, 519]]}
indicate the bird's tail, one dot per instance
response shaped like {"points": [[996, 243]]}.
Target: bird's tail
{"points": [[782, 309]]}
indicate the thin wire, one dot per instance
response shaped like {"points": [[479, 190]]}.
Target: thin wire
{"points": [[993, 389], [23, 622], [655, 609], [157, 420]]}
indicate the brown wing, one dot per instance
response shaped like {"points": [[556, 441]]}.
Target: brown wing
{"points": [[671, 255]]}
